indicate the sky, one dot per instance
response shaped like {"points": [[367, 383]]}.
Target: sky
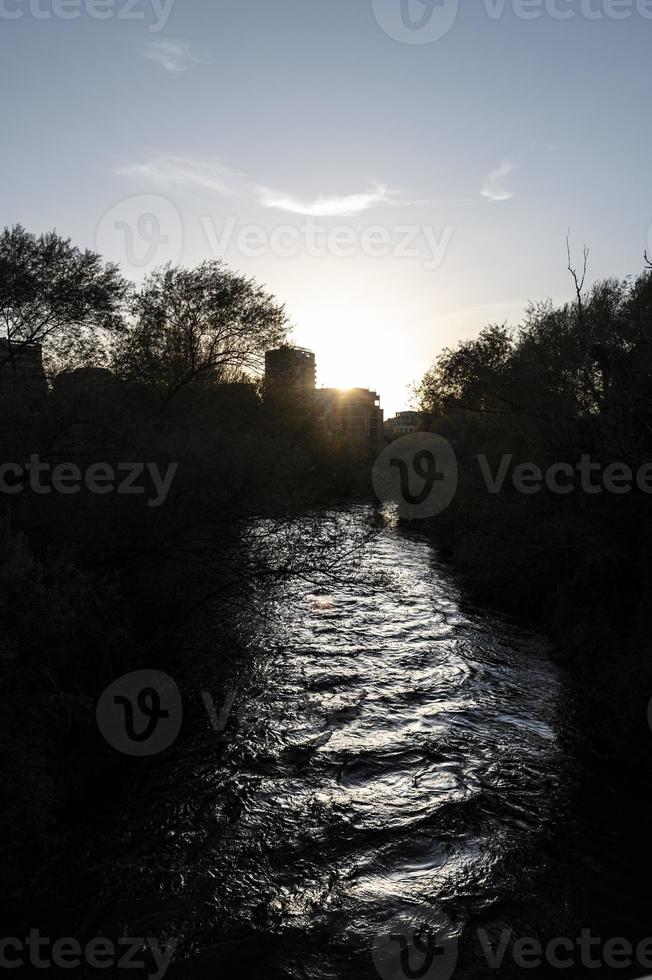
{"points": [[399, 173]]}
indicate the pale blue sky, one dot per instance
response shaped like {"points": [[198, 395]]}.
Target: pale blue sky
{"points": [[155, 137]]}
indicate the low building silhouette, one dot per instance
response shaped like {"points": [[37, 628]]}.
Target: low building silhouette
{"points": [[21, 370], [403, 424], [353, 415]]}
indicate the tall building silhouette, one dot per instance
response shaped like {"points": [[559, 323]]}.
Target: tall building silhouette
{"points": [[290, 369], [353, 415]]}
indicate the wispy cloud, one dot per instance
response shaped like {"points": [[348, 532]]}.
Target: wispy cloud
{"points": [[173, 56], [494, 189], [169, 170], [326, 206]]}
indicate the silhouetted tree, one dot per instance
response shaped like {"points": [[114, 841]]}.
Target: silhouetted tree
{"points": [[58, 295], [196, 326], [570, 381]]}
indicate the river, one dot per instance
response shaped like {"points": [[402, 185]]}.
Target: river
{"points": [[402, 762]]}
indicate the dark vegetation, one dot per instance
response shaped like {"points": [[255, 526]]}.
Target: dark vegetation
{"points": [[94, 585], [570, 381]]}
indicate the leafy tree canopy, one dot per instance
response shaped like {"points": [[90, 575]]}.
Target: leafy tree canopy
{"points": [[58, 295], [196, 326]]}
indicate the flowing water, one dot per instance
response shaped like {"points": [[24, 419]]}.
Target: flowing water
{"points": [[401, 757]]}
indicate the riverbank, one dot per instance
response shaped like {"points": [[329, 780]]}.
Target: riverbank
{"points": [[605, 658], [603, 642]]}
